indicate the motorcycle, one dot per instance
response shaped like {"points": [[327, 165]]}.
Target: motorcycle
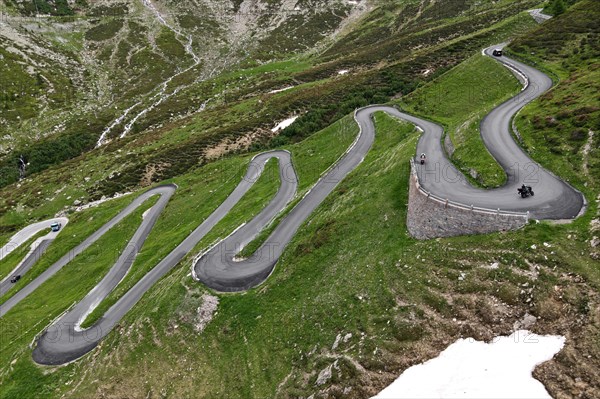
{"points": [[525, 191]]}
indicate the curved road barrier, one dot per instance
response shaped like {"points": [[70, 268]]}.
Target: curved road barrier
{"points": [[64, 340]]}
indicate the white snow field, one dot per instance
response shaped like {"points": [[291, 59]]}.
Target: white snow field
{"points": [[475, 369]]}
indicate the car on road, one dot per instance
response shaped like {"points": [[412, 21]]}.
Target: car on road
{"points": [[16, 278], [497, 52], [55, 226]]}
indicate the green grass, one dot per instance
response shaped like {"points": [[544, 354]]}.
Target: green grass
{"points": [[556, 127], [105, 30], [96, 259], [459, 100], [171, 231], [351, 268], [215, 182], [169, 45]]}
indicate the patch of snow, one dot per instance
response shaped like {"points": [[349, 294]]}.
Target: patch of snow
{"points": [[283, 124], [280, 90], [343, 72], [475, 369]]}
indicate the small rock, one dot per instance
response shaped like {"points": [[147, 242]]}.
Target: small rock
{"points": [[595, 242], [76, 202], [337, 342], [534, 246], [324, 375], [528, 321]]}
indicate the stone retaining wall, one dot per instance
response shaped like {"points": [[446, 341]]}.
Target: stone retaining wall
{"points": [[431, 218]]}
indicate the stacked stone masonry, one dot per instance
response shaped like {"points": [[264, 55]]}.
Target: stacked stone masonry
{"points": [[429, 218]]}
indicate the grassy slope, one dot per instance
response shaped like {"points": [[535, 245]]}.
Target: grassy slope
{"points": [[449, 38], [199, 193], [556, 127], [334, 279], [458, 100], [352, 269]]}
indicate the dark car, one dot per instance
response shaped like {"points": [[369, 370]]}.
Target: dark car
{"points": [[497, 52], [15, 278]]}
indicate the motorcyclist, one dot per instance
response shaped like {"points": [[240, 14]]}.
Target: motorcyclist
{"points": [[525, 191], [423, 157]]}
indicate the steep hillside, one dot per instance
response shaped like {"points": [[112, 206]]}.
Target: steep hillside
{"points": [[354, 300], [106, 67], [228, 112], [561, 128]]}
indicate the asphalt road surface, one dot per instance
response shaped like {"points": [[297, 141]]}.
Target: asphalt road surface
{"points": [[65, 341], [26, 233], [24, 266], [37, 248]]}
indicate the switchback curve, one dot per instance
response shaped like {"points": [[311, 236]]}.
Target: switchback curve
{"points": [[64, 341]]}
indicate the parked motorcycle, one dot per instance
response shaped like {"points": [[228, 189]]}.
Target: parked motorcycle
{"points": [[525, 191]]}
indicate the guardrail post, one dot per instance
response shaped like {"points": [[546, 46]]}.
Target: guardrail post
{"points": [[527, 217], [446, 204]]}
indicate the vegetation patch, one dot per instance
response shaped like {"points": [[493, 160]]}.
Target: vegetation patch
{"points": [[459, 100], [105, 30]]}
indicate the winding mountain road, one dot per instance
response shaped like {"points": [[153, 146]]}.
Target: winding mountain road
{"points": [[64, 341], [38, 247]]}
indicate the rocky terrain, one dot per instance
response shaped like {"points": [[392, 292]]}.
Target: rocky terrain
{"points": [[113, 62]]}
